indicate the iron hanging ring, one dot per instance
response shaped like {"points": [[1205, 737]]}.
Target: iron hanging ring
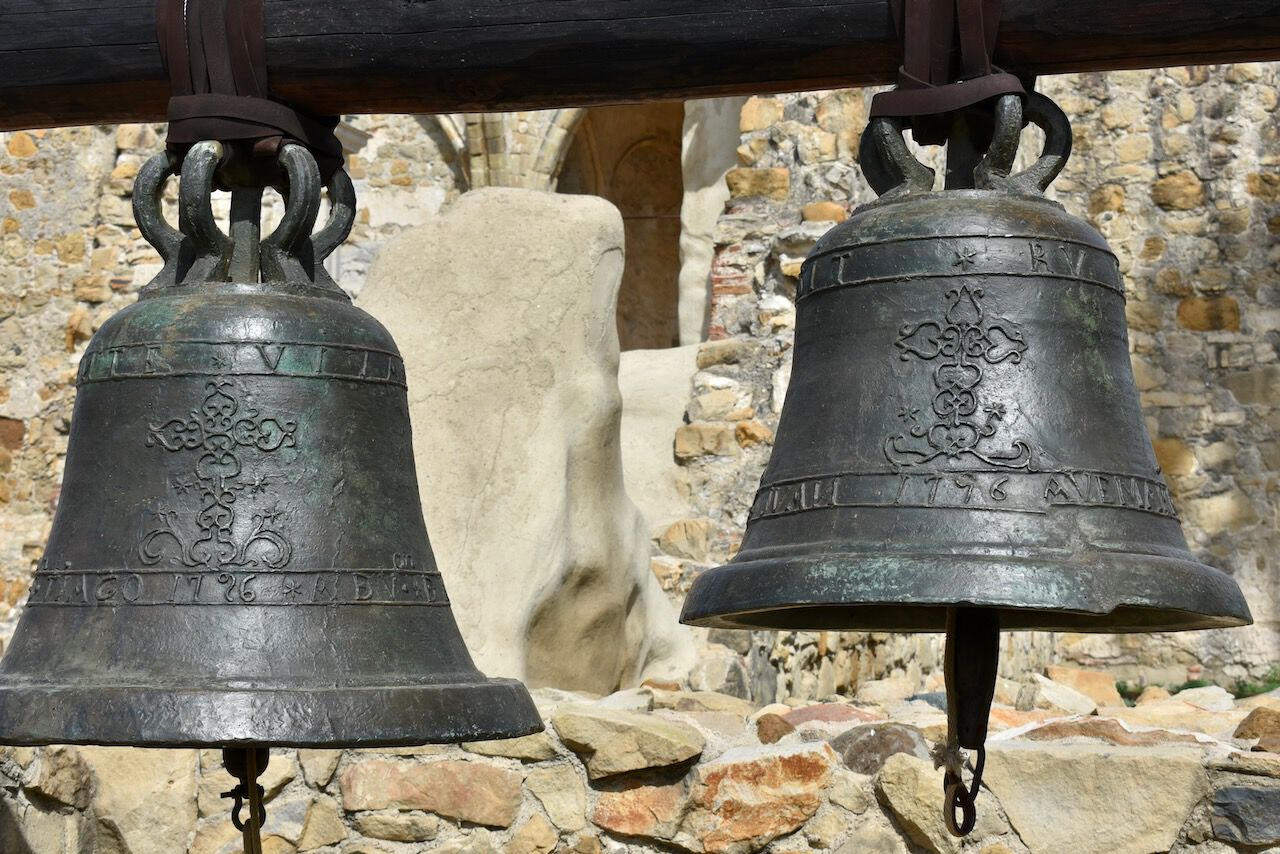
{"points": [[292, 253], [302, 201], [887, 163], [195, 198], [342, 215], [239, 793], [994, 172], [957, 797], [148, 194]]}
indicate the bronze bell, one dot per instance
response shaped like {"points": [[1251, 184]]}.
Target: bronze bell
{"points": [[239, 556], [962, 445]]}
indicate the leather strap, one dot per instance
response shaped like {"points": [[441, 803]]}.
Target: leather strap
{"points": [[931, 82], [215, 53]]}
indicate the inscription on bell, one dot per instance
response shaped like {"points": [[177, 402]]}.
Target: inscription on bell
{"points": [[210, 358], [150, 587], [1009, 491], [913, 259]]}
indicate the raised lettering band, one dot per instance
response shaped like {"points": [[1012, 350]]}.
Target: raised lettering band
{"points": [[98, 588], [999, 490], [241, 358], [1005, 256]]}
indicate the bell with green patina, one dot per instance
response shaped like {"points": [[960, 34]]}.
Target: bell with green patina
{"points": [[239, 555]]}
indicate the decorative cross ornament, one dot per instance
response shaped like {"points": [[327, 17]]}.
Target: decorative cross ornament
{"points": [[219, 430], [966, 342]]}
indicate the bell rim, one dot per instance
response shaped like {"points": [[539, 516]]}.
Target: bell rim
{"points": [[348, 717], [843, 591]]}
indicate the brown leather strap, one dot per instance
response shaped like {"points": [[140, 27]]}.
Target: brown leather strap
{"points": [[215, 53], [931, 83]]}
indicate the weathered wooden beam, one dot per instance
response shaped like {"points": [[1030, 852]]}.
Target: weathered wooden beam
{"points": [[91, 61]]}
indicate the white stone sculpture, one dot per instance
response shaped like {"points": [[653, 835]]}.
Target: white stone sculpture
{"points": [[503, 307]]}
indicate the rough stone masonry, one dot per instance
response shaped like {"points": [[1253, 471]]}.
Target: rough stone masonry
{"points": [[1069, 769]]}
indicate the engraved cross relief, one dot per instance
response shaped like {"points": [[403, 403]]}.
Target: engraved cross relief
{"points": [[964, 342], [218, 430]]}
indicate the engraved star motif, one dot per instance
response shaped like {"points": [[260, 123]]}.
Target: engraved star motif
{"points": [[965, 257], [291, 587], [183, 485], [259, 485], [220, 362]]}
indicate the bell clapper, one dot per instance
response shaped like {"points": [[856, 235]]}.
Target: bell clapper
{"points": [[246, 765], [972, 658]]}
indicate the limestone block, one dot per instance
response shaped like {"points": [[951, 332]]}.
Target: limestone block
{"points": [[1211, 698], [61, 776], [398, 826], [751, 795], [1096, 799], [870, 839], [1097, 685], [655, 390], [561, 794], [323, 825], [318, 765], [470, 791], [1054, 695], [612, 741], [912, 789], [504, 307], [646, 811], [865, 749], [529, 748], [149, 795], [535, 836]]}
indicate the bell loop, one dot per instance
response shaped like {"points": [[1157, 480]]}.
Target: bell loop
{"points": [[247, 765], [892, 170], [198, 251], [958, 797]]}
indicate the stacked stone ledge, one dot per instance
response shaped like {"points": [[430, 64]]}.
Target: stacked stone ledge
{"points": [[1069, 768]]}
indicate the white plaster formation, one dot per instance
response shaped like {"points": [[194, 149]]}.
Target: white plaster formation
{"points": [[655, 387], [710, 150], [503, 307]]}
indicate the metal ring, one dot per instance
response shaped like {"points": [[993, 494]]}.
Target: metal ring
{"points": [[195, 199], [302, 203], [342, 215], [1003, 151], [887, 163], [957, 797], [1040, 110], [148, 211]]}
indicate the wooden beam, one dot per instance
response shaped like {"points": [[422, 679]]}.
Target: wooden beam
{"points": [[95, 61]]}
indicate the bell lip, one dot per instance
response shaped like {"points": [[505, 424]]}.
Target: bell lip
{"points": [[1104, 592], [390, 716]]}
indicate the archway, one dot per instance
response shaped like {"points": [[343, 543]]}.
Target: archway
{"points": [[630, 155]]}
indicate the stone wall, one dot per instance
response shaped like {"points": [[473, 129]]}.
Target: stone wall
{"points": [[1178, 169], [653, 770]]}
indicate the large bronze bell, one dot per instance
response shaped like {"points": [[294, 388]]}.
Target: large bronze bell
{"points": [[239, 555], [962, 445], [962, 425]]}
